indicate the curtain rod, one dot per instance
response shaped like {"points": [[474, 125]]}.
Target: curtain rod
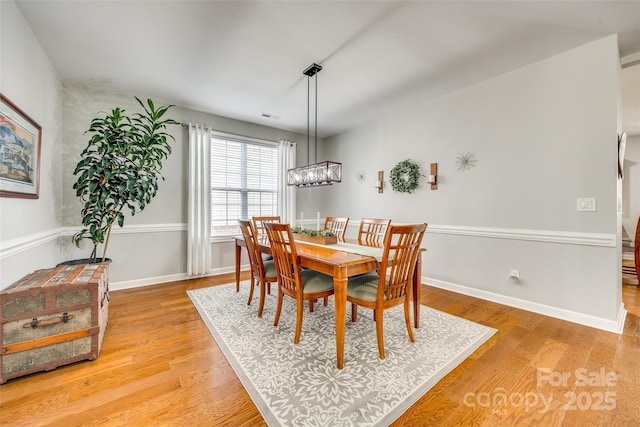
{"points": [[231, 135]]}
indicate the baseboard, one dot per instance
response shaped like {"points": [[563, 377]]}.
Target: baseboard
{"points": [[558, 313], [148, 281]]}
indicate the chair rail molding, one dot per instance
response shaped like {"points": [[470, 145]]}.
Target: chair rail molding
{"points": [[12, 247], [547, 236], [18, 245], [136, 228]]}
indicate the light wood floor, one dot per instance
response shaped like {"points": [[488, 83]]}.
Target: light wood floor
{"points": [[159, 365]]}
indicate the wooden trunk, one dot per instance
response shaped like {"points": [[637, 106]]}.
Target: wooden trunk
{"points": [[53, 317]]}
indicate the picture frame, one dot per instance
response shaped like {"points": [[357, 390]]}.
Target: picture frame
{"points": [[622, 146], [20, 146]]}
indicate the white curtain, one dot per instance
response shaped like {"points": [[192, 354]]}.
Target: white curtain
{"points": [[199, 210], [286, 193]]}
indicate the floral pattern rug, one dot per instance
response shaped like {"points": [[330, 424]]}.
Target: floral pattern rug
{"points": [[299, 385]]}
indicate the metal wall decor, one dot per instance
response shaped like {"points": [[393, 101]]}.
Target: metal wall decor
{"points": [[466, 161]]}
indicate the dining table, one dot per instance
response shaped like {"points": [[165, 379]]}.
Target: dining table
{"points": [[341, 260]]}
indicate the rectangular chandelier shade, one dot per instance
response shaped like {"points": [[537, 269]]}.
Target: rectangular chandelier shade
{"points": [[315, 175]]}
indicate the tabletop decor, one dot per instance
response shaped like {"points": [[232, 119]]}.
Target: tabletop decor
{"points": [[20, 141], [405, 176], [296, 385], [323, 237]]}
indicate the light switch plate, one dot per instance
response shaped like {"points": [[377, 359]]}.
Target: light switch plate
{"points": [[586, 204]]}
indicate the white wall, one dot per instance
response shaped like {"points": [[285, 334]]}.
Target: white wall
{"points": [[543, 136], [28, 227]]}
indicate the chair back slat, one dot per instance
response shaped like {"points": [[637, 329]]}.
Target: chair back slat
{"points": [[372, 231], [336, 225], [285, 257]]}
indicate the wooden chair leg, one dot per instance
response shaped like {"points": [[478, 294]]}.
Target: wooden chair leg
{"points": [[261, 304], [407, 320], [354, 312], [251, 286], [311, 305], [299, 312], [380, 333], [278, 309], [326, 301]]}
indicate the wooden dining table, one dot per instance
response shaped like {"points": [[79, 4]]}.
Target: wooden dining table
{"points": [[340, 265]]}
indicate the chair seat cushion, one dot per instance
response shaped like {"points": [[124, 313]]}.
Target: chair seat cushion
{"points": [[313, 282], [269, 269], [363, 287]]}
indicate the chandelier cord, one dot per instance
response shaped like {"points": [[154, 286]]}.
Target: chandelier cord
{"points": [[308, 107], [315, 132]]}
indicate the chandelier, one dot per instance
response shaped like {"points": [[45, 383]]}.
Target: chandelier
{"points": [[317, 174]]}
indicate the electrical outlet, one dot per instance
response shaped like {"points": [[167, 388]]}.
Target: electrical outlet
{"points": [[586, 204], [514, 277]]}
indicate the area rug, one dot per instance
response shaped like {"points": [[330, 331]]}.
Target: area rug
{"points": [[300, 385]]}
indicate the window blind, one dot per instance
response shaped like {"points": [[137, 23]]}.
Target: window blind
{"points": [[243, 183]]}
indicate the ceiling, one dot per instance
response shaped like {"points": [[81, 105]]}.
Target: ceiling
{"points": [[243, 59]]}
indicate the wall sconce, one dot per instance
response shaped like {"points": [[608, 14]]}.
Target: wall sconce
{"points": [[433, 176], [380, 182]]}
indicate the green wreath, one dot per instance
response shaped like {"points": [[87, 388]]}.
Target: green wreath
{"points": [[405, 176]]}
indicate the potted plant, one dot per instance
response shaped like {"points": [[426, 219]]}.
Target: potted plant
{"points": [[120, 169]]}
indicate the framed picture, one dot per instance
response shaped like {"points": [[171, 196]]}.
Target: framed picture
{"points": [[622, 145], [20, 140]]}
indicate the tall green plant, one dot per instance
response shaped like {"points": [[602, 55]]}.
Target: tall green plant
{"points": [[120, 169]]}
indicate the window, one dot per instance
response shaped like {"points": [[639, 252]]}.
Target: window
{"points": [[244, 177]]}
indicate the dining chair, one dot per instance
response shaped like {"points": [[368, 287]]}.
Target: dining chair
{"points": [[299, 284], [259, 221], [372, 231], [382, 291], [262, 271], [337, 226]]}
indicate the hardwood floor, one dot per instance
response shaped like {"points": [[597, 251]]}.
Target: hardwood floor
{"points": [[159, 365]]}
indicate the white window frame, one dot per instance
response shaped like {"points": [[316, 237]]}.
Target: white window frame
{"points": [[243, 189]]}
